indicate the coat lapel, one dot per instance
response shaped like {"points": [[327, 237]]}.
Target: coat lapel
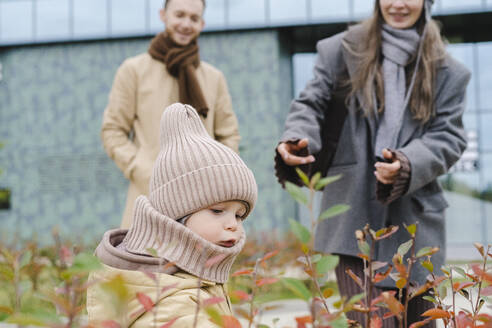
{"points": [[355, 35]]}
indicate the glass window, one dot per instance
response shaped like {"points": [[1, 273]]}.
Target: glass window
{"points": [[16, 20], [485, 74], [460, 4], [156, 25], [215, 13], [463, 219], [464, 54], [363, 8], [332, 9], [127, 17], [487, 192], [52, 19], [486, 131], [486, 167], [303, 70], [469, 161], [251, 12], [90, 18], [288, 11]]}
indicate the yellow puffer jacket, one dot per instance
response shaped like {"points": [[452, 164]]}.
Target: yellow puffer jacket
{"points": [[178, 301]]}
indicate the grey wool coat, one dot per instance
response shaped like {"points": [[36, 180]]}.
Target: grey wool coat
{"points": [[431, 150]]}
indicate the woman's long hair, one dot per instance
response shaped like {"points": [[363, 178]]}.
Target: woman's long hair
{"points": [[368, 80]]}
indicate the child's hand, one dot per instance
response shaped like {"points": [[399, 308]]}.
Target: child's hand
{"points": [[387, 173]]}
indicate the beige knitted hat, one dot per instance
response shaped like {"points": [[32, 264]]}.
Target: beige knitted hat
{"points": [[191, 172]]}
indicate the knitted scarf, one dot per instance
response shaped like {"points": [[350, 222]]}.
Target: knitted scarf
{"points": [[181, 62], [398, 47]]}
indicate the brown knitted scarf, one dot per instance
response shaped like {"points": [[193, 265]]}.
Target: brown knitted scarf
{"points": [[181, 62]]}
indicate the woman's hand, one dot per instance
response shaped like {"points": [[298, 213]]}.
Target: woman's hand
{"points": [[387, 173], [288, 150]]}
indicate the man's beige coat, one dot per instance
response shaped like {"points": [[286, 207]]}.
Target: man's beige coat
{"points": [[177, 299], [141, 90]]}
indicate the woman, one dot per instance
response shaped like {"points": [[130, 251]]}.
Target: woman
{"points": [[384, 109]]}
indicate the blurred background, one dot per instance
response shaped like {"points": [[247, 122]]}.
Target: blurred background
{"points": [[58, 59]]}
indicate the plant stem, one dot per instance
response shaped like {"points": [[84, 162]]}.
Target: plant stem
{"points": [[411, 260], [475, 312], [454, 298], [253, 293], [369, 282]]}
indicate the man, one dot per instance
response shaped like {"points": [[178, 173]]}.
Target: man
{"points": [[171, 71]]}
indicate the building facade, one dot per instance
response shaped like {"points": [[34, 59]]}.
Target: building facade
{"points": [[58, 59]]}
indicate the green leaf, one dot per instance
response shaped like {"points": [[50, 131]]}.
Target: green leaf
{"points": [[460, 271], [327, 263], [275, 296], [300, 231], [442, 289], [424, 251], [38, 318], [326, 181], [84, 263], [303, 176], [297, 287], [405, 247], [340, 322], [428, 265], [316, 257], [334, 211], [214, 316], [315, 179], [430, 299], [6, 272], [364, 248], [25, 259], [296, 193], [412, 229], [354, 299], [152, 252], [262, 326]]}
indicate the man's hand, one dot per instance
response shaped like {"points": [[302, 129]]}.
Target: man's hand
{"points": [[387, 173], [288, 150]]}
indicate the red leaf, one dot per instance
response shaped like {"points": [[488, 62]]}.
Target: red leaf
{"points": [[110, 324], [436, 314], [243, 296], [214, 260], [170, 323], [242, 272], [381, 276], [485, 318], [376, 322], [269, 255], [145, 301], [393, 304], [459, 286], [165, 288], [230, 322], [352, 275], [151, 275], [302, 321], [487, 291], [420, 323], [482, 274], [463, 320], [212, 301], [266, 281]]}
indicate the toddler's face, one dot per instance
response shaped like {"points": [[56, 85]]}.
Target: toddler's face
{"points": [[221, 223]]}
